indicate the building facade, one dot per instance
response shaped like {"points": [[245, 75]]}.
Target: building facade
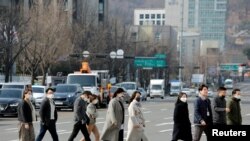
{"points": [[149, 17], [209, 18]]}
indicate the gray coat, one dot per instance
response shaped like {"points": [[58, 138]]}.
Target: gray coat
{"points": [[80, 111], [114, 116]]}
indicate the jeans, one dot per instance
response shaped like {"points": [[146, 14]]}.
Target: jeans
{"points": [[52, 129]]}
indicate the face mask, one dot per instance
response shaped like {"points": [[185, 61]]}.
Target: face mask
{"points": [[138, 99], [30, 97], [183, 99], [237, 96], [121, 98], [222, 97], [95, 101], [50, 96]]}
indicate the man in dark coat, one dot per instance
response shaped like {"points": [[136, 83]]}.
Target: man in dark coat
{"points": [[203, 118], [182, 124], [48, 115], [80, 116], [234, 117]]}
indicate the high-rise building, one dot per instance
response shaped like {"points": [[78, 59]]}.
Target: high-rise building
{"points": [[209, 17], [149, 17]]}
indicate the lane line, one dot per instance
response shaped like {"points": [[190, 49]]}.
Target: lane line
{"points": [[162, 131], [166, 123], [63, 122], [11, 129], [168, 118], [147, 112], [100, 122], [164, 109]]}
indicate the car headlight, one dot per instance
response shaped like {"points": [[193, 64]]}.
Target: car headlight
{"points": [[14, 104], [70, 95]]}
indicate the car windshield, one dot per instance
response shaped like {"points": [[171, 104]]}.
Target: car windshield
{"points": [[10, 94], [65, 89], [141, 90], [113, 89], [129, 86], [175, 87], [156, 87], [228, 82], [83, 80], [37, 90]]}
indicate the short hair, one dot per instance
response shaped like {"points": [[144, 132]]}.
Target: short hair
{"points": [[52, 89], [202, 86], [87, 93], [235, 90], [221, 89]]}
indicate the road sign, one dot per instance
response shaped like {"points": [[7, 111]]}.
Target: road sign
{"points": [[229, 67], [162, 56], [149, 62]]}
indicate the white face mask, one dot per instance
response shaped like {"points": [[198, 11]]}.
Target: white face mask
{"points": [[30, 97], [95, 101], [237, 96], [50, 96], [183, 99]]}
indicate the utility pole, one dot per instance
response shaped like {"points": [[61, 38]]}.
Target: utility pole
{"points": [[180, 42]]}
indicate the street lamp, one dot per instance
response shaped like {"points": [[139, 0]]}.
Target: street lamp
{"points": [[85, 54]]}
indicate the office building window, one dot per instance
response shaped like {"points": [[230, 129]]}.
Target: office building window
{"points": [[152, 16], [158, 16], [140, 22], [163, 22], [163, 16], [153, 22], [146, 16], [158, 22], [141, 16]]}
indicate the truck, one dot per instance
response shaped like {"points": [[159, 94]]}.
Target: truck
{"points": [[157, 88], [175, 88], [229, 84], [91, 80]]}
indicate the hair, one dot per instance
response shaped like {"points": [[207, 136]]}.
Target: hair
{"points": [[221, 89], [92, 98], [88, 93], [235, 90], [47, 90], [119, 90], [133, 96], [26, 91], [202, 86], [179, 96]]}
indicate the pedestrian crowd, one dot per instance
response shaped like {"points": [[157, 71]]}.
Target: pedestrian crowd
{"points": [[206, 114]]}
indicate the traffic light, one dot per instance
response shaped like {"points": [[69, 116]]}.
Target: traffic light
{"points": [[243, 65]]}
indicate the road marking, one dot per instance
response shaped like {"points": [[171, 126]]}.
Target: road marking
{"points": [[60, 131], [166, 123], [64, 132], [63, 122], [11, 129], [247, 114], [99, 118], [147, 112], [164, 109], [147, 121], [168, 118], [100, 122], [14, 140], [165, 130]]}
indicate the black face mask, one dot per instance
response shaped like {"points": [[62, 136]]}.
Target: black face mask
{"points": [[222, 97], [138, 99]]}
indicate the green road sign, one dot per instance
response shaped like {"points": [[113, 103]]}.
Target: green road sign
{"points": [[229, 67], [149, 62], [162, 56]]}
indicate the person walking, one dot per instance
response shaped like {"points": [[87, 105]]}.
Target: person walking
{"points": [[219, 107], [92, 114], [114, 124], [48, 115], [80, 117], [136, 121], [234, 116], [26, 115], [203, 119], [182, 124]]}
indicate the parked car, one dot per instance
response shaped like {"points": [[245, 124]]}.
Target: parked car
{"points": [[143, 94], [66, 94], [38, 94], [112, 91], [9, 100]]}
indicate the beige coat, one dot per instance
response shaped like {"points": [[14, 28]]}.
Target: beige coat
{"points": [[113, 121], [135, 118]]}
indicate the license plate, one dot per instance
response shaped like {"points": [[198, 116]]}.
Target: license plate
{"points": [[58, 103]]}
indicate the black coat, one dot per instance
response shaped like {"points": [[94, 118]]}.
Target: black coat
{"points": [[24, 112], [182, 124], [45, 111]]}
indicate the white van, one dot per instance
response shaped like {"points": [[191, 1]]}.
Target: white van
{"points": [[229, 84], [157, 88]]}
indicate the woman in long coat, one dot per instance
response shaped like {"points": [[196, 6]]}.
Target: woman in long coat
{"points": [[182, 124], [113, 126], [136, 121]]}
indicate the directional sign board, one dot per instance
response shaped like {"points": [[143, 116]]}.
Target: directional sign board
{"points": [[229, 67], [149, 62]]}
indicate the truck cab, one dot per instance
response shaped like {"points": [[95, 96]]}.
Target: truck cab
{"points": [[175, 88], [157, 88]]}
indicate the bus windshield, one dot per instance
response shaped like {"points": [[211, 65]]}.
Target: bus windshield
{"points": [[83, 80]]}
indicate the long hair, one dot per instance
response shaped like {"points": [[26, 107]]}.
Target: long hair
{"points": [[133, 96], [119, 90], [179, 96], [25, 92]]}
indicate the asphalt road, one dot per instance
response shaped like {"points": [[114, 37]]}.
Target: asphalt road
{"points": [[157, 112]]}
